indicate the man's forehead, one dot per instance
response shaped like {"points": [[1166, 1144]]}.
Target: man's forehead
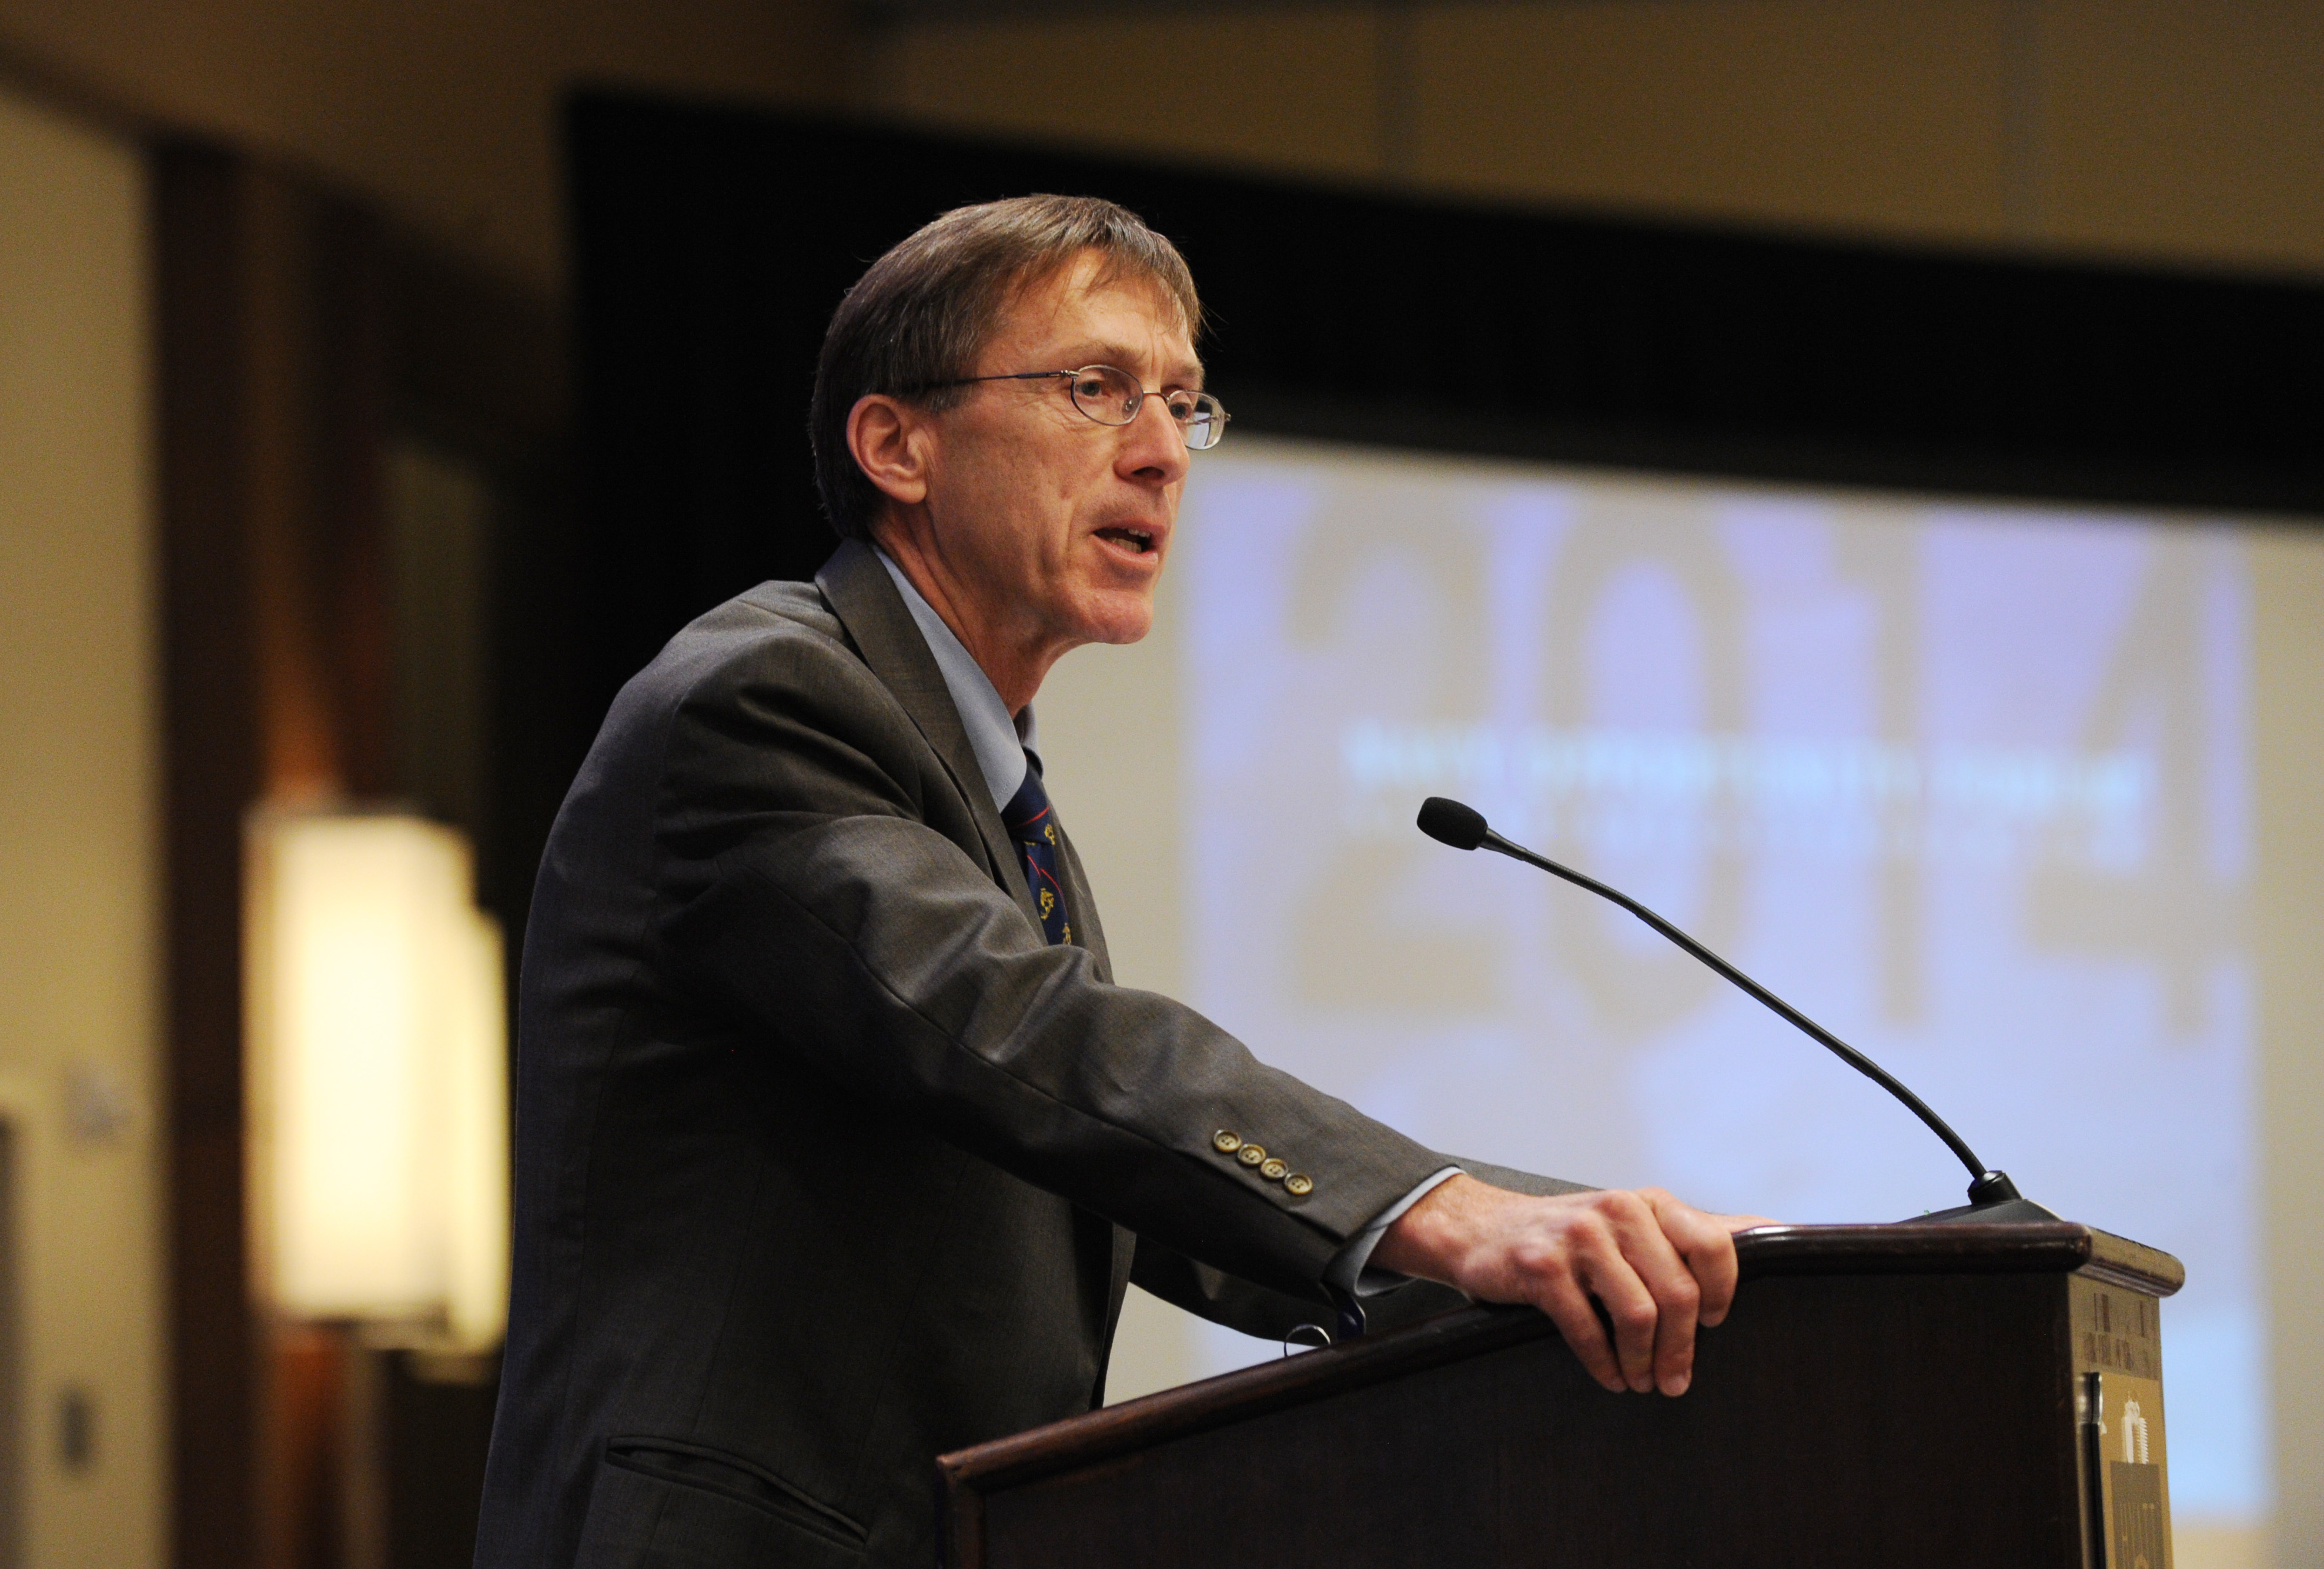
{"points": [[1084, 305]]}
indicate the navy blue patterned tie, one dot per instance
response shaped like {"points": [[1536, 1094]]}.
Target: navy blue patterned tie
{"points": [[1034, 826]]}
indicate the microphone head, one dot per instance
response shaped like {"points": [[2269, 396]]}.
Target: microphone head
{"points": [[1450, 822]]}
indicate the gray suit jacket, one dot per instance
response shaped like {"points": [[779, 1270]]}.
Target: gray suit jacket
{"points": [[825, 1162]]}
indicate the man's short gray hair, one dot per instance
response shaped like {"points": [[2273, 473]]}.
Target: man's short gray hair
{"points": [[925, 310]]}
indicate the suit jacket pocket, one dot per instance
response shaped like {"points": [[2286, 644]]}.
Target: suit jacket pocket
{"points": [[660, 1503]]}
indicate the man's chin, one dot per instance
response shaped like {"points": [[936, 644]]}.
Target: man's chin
{"points": [[1117, 617], [1125, 631]]}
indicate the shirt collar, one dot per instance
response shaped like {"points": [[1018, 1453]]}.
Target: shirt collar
{"points": [[1000, 741]]}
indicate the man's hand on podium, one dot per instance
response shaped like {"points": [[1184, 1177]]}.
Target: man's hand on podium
{"points": [[1659, 1267]]}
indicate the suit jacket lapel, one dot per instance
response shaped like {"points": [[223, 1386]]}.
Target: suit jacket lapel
{"points": [[862, 594]]}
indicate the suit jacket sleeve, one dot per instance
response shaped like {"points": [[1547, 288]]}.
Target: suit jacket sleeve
{"points": [[1220, 1298], [800, 888], [1209, 1293]]}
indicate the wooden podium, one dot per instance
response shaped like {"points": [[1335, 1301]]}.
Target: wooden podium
{"points": [[1959, 1395]]}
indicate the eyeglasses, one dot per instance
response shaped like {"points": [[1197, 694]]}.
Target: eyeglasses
{"points": [[1114, 397]]}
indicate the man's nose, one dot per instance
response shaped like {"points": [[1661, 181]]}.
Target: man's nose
{"points": [[1154, 446]]}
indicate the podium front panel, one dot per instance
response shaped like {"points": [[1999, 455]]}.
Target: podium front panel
{"points": [[1897, 1420]]}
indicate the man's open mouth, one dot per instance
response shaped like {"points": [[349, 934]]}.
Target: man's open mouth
{"points": [[1140, 541]]}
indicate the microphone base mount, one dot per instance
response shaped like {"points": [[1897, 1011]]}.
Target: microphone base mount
{"points": [[1999, 1213], [1993, 1200], [1992, 1188]]}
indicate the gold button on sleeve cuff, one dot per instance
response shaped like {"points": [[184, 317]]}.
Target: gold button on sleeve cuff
{"points": [[1273, 1168]]}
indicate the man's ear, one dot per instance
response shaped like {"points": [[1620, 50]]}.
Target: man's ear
{"points": [[891, 442]]}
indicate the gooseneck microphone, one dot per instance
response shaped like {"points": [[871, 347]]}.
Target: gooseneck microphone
{"points": [[1464, 827]]}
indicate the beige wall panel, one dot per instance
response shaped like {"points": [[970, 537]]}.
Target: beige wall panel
{"points": [[444, 110], [1882, 119], [2188, 131], [1286, 90], [2147, 129], [2288, 740], [1111, 722], [1827, 112], [78, 883]]}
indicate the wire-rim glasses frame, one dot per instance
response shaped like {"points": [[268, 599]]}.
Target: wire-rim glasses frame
{"points": [[1112, 396]]}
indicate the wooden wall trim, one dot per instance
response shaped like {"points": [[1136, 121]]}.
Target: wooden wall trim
{"points": [[270, 301], [211, 774]]}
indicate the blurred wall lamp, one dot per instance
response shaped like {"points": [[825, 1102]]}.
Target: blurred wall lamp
{"points": [[378, 1086]]}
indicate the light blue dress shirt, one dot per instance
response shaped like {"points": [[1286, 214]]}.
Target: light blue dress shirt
{"points": [[1001, 742]]}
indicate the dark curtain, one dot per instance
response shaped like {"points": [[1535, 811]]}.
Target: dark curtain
{"points": [[714, 244]]}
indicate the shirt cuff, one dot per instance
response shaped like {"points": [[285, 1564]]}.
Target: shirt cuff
{"points": [[1351, 1268]]}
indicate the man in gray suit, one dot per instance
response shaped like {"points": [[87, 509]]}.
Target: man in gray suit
{"points": [[838, 1147]]}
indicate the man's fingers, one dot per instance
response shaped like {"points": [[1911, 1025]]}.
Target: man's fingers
{"points": [[1712, 1259], [1569, 1308], [1679, 1302], [1707, 1243], [1631, 1309], [1665, 1272]]}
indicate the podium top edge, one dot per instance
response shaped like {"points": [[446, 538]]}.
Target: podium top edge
{"points": [[1965, 1247], [2123, 1262]]}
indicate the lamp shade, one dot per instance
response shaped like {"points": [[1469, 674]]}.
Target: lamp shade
{"points": [[378, 1076]]}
